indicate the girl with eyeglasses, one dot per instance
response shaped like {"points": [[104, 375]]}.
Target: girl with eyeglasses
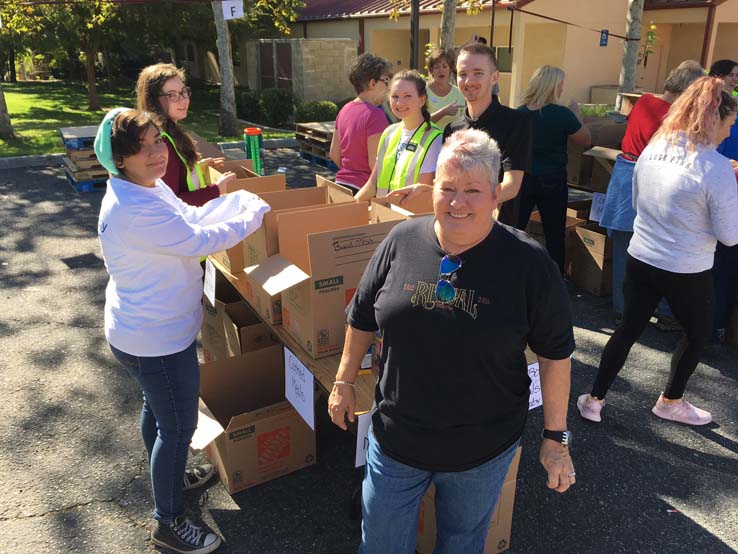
{"points": [[162, 92]]}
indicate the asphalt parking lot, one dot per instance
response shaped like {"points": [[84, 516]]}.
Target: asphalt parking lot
{"points": [[75, 472]]}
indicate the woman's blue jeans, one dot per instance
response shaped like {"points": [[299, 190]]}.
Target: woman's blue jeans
{"points": [[392, 493], [171, 386]]}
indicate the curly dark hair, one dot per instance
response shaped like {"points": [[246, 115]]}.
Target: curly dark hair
{"points": [[438, 54], [125, 134], [366, 67]]}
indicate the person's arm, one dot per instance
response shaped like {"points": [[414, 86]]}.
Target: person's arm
{"points": [[582, 137], [555, 457], [510, 185], [576, 131], [450, 109], [342, 400], [335, 152], [369, 190], [372, 146], [723, 205], [222, 208]]}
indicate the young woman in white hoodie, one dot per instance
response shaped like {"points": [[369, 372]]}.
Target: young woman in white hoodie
{"points": [[151, 242]]}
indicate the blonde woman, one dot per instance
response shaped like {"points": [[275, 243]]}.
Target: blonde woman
{"points": [[545, 185]]}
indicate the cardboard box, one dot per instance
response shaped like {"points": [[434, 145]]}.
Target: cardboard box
{"points": [[420, 205], [249, 431], [244, 331], [212, 330], [579, 209], [535, 227], [583, 170], [264, 242], [589, 261], [323, 254], [239, 167], [253, 283], [498, 535]]}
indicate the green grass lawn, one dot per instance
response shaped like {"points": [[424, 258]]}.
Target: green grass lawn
{"points": [[38, 109]]}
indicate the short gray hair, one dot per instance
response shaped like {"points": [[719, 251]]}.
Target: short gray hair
{"points": [[682, 76], [468, 149]]}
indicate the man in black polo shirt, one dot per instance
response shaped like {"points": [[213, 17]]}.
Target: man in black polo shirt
{"points": [[477, 75]]}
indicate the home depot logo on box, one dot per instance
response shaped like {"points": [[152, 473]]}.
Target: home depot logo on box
{"points": [[273, 446]]}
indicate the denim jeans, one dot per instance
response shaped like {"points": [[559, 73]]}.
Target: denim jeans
{"points": [[549, 193], [391, 496], [171, 386]]}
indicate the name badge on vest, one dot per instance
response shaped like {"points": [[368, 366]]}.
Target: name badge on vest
{"points": [[411, 147]]}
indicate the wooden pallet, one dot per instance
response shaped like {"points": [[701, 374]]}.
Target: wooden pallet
{"points": [[89, 185], [315, 138], [83, 158], [85, 174], [78, 138]]}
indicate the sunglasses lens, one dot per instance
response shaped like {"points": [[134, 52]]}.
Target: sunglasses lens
{"points": [[449, 264], [445, 292]]}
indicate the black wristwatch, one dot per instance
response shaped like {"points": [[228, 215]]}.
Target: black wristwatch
{"points": [[562, 437]]}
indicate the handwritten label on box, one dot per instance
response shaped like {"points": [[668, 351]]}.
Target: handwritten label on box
{"points": [[362, 438], [535, 399], [598, 204], [298, 384], [209, 286]]}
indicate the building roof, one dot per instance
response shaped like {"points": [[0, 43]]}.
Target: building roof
{"points": [[666, 4], [330, 9]]}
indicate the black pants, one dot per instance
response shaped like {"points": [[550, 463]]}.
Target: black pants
{"points": [[549, 193], [692, 300], [725, 279]]}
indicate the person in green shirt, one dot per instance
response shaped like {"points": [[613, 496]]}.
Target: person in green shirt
{"points": [[545, 185]]}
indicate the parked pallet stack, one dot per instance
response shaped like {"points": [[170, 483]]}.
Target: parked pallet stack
{"points": [[81, 167], [314, 140]]}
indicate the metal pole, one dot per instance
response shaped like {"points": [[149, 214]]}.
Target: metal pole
{"points": [[491, 43]]}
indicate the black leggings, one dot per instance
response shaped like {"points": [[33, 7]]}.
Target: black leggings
{"points": [[692, 300]]}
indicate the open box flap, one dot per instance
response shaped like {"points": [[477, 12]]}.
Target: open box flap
{"points": [[276, 274], [208, 428]]}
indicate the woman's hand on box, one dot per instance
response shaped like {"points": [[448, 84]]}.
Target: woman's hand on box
{"points": [[222, 182], [405, 194]]}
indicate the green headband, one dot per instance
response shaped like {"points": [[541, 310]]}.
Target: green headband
{"points": [[103, 147]]}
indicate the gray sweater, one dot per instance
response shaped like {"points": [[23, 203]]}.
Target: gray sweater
{"points": [[685, 202]]}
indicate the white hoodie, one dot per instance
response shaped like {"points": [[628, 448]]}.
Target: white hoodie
{"points": [[152, 242]]}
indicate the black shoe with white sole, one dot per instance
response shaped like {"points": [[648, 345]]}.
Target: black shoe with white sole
{"points": [[186, 535], [197, 476]]}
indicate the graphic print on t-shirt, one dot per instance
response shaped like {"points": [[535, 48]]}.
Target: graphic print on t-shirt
{"points": [[424, 295]]}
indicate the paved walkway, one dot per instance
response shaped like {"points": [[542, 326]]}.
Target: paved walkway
{"points": [[74, 473]]}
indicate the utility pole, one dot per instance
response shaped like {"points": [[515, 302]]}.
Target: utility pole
{"points": [[630, 51], [414, 33]]}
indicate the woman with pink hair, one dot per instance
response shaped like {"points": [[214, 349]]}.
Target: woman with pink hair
{"points": [[686, 198]]}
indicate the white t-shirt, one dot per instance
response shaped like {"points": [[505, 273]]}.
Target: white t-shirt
{"points": [[151, 242], [435, 103], [431, 157], [684, 202]]}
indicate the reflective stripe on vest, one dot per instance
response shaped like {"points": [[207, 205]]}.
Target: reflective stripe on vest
{"points": [[191, 186], [393, 170]]}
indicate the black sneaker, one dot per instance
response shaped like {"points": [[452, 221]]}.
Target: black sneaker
{"points": [[186, 535], [197, 476]]}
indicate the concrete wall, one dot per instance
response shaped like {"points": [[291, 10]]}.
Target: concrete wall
{"points": [[726, 42], [345, 28], [541, 46], [686, 42], [320, 68]]}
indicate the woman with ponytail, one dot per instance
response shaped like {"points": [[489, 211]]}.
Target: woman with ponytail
{"points": [[686, 199], [408, 150], [162, 92]]}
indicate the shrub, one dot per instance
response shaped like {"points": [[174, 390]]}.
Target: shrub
{"points": [[277, 106], [323, 110], [248, 105]]}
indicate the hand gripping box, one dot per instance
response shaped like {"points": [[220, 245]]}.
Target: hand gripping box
{"points": [[246, 179], [250, 432], [264, 242]]}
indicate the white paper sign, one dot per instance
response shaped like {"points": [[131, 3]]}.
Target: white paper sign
{"points": [[362, 438], [535, 399], [298, 385], [210, 282], [232, 9], [598, 204]]}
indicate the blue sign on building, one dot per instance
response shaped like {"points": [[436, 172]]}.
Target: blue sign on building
{"points": [[604, 35]]}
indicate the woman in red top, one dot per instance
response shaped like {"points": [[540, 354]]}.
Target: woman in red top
{"points": [[161, 91], [618, 213]]}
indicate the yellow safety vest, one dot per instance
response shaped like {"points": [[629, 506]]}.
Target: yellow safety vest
{"points": [[393, 170], [191, 186]]}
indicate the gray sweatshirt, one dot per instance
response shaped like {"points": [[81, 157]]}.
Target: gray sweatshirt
{"points": [[685, 202]]}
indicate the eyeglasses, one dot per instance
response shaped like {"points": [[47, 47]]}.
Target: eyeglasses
{"points": [[175, 96], [445, 291]]}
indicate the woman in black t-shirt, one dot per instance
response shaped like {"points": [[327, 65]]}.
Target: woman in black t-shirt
{"points": [[457, 297]]}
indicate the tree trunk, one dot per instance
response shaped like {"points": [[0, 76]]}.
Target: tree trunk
{"points": [[6, 129], [73, 63], [92, 103], [448, 22], [630, 51], [227, 122], [108, 66], [11, 64]]}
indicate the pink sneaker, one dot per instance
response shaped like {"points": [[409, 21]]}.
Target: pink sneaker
{"points": [[590, 408], [681, 411]]}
